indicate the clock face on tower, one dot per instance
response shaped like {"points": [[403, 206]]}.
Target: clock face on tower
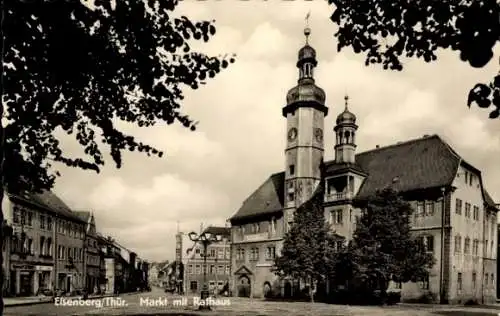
{"points": [[318, 133], [292, 134]]}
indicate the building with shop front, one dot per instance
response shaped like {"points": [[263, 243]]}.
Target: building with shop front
{"points": [[218, 263], [7, 231], [453, 218], [92, 253]]}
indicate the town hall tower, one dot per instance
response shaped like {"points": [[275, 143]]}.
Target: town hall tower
{"points": [[305, 112]]}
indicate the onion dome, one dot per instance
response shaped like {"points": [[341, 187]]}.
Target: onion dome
{"points": [[346, 117]]}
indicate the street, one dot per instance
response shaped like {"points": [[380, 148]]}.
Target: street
{"points": [[157, 302]]}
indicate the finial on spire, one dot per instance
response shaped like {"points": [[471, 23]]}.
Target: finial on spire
{"points": [[346, 99], [307, 30]]}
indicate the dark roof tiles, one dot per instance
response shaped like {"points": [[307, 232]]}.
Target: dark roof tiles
{"points": [[426, 162]]}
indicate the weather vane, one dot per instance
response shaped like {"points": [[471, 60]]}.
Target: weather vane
{"points": [[307, 30], [346, 98]]}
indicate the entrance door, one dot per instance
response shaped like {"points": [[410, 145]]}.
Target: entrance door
{"points": [[68, 284], [26, 284], [244, 286]]}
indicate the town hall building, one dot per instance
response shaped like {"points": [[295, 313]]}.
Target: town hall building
{"points": [[454, 214]]}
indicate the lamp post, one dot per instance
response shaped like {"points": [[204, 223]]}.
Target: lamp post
{"points": [[205, 239]]}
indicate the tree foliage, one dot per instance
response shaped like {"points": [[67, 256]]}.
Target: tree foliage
{"points": [[309, 247], [387, 31], [383, 248], [83, 67]]}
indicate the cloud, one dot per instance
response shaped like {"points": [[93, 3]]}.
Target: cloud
{"points": [[205, 175]]}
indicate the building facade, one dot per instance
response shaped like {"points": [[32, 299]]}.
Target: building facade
{"points": [[453, 211], [92, 253], [7, 231], [42, 223], [218, 264]]}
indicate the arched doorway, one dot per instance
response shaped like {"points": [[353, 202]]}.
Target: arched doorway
{"points": [[288, 289], [267, 290], [244, 286]]}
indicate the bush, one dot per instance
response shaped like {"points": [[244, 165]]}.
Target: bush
{"points": [[471, 302], [426, 298], [393, 298]]}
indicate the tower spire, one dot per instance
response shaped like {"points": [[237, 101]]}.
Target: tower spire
{"points": [[307, 30], [346, 99]]}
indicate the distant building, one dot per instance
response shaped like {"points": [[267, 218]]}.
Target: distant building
{"points": [[218, 263], [454, 214], [153, 274]]}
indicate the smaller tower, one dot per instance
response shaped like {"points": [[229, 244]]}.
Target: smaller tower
{"points": [[345, 136]]}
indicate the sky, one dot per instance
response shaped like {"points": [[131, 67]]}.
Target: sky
{"points": [[205, 175]]}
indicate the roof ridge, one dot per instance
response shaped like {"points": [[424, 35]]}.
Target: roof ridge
{"points": [[398, 144]]}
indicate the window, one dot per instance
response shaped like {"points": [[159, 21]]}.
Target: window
{"points": [[17, 215], [466, 177], [475, 247], [420, 208], [458, 207], [471, 178], [424, 283], [339, 244], [220, 253], [42, 221], [486, 248], [227, 254], [459, 281], [292, 169], [240, 254], [70, 253], [197, 251], [193, 286], [190, 269], [30, 219], [23, 217], [256, 228], [198, 269], [254, 254], [473, 280], [220, 270], [270, 253], [429, 243], [336, 217], [29, 247], [492, 280], [212, 269], [429, 208], [398, 285], [467, 245], [42, 246], [213, 253], [228, 270], [458, 244], [467, 209], [476, 213], [291, 197], [486, 279]]}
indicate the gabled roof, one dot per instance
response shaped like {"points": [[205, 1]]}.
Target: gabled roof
{"points": [[489, 201], [48, 201], [421, 163], [215, 230]]}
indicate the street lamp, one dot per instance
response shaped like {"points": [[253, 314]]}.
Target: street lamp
{"points": [[205, 239]]}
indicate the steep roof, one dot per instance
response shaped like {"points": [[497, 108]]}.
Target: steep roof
{"points": [[215, 230], [489, 201], [416, 164], [266, 199], [48, 201]]}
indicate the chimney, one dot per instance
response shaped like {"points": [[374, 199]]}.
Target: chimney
{"points": [[426, 135], [377, 146]]}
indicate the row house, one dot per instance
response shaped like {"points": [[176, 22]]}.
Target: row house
{"points": [[92, 253], [455, 217], [46, 246], [218, 263], [7, 231]]}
